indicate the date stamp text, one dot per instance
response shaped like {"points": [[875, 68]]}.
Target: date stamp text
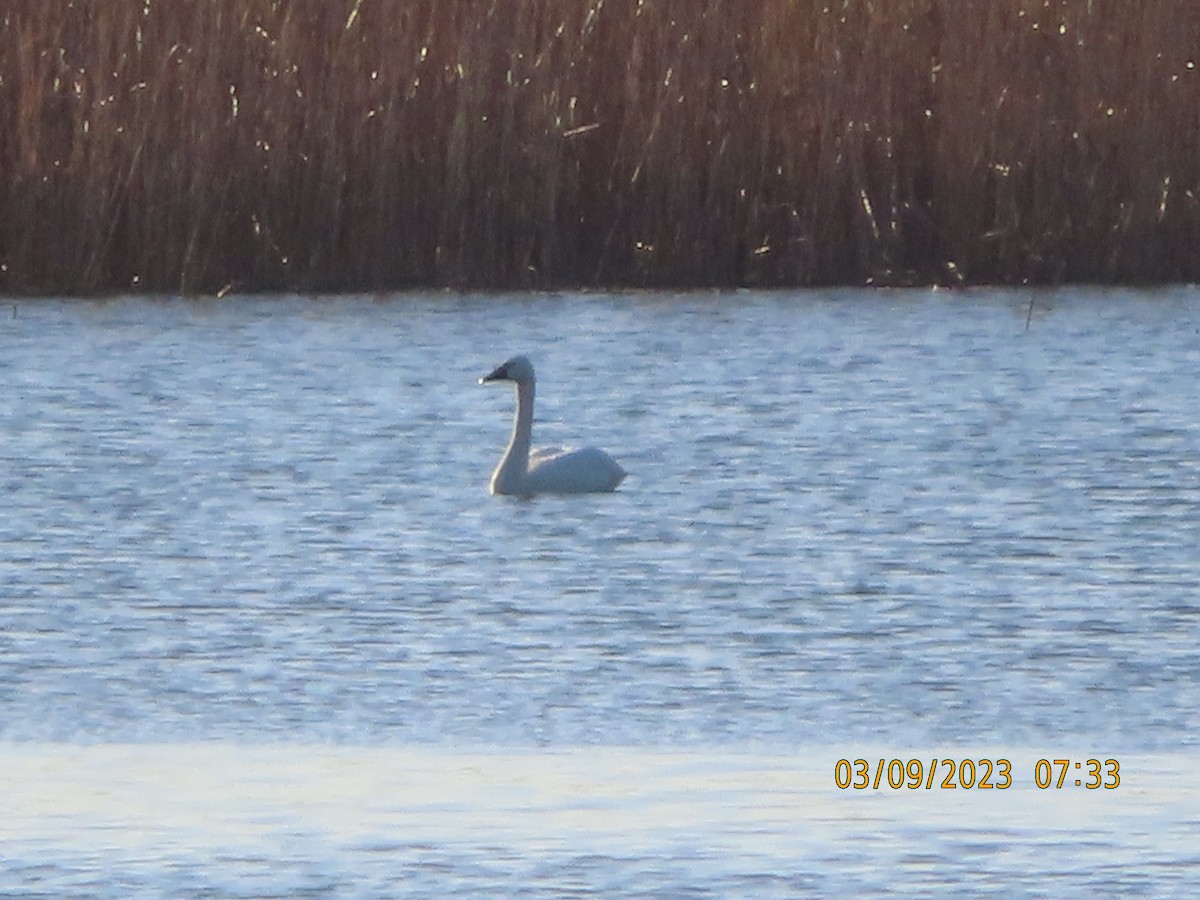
{"points": [[973, 774]]}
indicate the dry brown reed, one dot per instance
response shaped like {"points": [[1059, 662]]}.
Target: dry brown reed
{"points": [[355, 145]]}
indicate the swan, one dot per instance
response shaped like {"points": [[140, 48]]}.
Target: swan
{"points": [[545, 471]]}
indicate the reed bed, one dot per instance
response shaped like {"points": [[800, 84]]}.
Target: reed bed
{"points": [[199, 146]]}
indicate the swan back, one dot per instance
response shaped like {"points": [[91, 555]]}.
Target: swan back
{"points": [[588, 470]]}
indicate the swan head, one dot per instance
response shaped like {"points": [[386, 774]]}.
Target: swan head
{"points": [[518, 369]]}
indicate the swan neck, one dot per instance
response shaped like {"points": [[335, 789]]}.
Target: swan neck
{"points": [[510, 474], [522, 436]]}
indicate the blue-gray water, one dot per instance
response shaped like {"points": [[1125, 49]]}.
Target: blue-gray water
{"points": [[886, 520]]}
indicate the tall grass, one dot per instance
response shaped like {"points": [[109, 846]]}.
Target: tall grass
{"points": [[210, 145]]}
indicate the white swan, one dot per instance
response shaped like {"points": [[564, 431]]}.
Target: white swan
{"points": [[545, 471]]}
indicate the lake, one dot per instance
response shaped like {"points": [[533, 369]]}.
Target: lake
{"points": [[264, 632]]}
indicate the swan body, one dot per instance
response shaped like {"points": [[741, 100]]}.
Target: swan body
{"points": [[545, 471]]}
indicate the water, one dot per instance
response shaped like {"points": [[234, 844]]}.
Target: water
{"points": [[266, 633]]}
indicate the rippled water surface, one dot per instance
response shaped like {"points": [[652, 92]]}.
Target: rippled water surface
{"points": [[895, 520]]}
